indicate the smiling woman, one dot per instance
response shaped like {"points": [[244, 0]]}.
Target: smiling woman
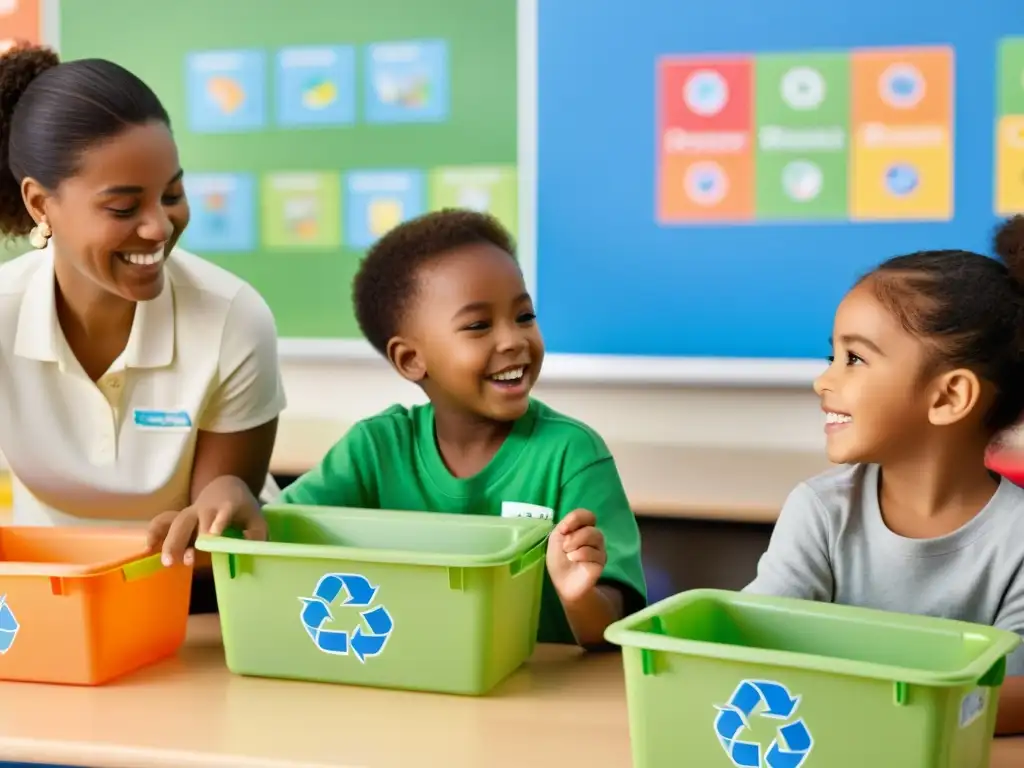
{"points": [[132, 373]]}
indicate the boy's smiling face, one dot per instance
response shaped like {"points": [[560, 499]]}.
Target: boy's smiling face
{"points": [[470, 337]]}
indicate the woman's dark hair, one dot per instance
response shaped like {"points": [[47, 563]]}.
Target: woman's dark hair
{"points": [[969, 308], [51, 112]]}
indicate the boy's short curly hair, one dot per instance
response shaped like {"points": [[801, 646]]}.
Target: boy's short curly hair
{"points": [[385, 284]]}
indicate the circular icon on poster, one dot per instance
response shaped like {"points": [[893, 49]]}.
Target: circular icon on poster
{"points": [[1014, 135], [706, 183], [802, 180], [901, 86], [7, 7], [901, 179], [706, 92], [803, 88]]}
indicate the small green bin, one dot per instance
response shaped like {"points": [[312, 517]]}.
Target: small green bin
{"points": [[720, 679], [411, 600]]}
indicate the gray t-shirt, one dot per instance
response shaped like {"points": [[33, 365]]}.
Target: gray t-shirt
{"points": [[831, 544]]}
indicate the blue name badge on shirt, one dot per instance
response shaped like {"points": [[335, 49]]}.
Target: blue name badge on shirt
{"points": [[171, 421]]}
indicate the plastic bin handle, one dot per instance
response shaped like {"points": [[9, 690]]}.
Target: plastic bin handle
{"points": [[140, 569], [528, 558]]}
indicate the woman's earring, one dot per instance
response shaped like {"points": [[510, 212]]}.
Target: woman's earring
{"points": [[40, 235]]}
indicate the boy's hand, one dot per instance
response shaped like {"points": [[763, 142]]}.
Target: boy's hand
{"points": [[576, 555], [225, 502]]}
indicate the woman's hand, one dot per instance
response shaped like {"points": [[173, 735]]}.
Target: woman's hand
{"points": [[227, 501]]}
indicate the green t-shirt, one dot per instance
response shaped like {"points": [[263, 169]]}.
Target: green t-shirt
{"points": [[391, 461]]}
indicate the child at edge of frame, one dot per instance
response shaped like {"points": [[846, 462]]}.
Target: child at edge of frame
{"points": [[927, 370]]}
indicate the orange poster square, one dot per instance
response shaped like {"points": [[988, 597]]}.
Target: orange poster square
{"points": [[709, 188], [902, 86], [19, 20]]}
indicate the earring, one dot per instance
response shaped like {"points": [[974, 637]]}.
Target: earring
{"points": [[40, 235]]}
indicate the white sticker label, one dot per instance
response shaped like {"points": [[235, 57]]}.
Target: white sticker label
{"points": [[523, 509], [973, 706]]}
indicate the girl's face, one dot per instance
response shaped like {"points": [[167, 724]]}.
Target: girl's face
{"points": [[875, 391]]}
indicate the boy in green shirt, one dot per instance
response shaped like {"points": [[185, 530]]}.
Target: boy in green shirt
{"points": [[443, 299]]}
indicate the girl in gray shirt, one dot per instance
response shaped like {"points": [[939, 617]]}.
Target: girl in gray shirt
{"points": [[928, 368]]}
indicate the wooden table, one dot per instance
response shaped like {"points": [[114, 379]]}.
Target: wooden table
{"points": [[562, 709], [682, 481]]}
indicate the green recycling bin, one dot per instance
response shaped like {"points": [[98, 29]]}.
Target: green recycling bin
{"points": [[722, 679], [411, 600]]}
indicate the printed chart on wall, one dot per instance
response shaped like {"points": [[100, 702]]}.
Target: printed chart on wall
{"points": [[714, 184], [308, 129]]}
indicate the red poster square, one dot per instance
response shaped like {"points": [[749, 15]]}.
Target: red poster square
{"points": [[705, 94], [19, 21]]}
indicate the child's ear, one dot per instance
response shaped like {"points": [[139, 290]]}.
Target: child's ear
{"points": [[406, 359], [955, 394]]}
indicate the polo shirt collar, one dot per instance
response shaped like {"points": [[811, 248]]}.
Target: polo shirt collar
{"points": [[39, 336]]}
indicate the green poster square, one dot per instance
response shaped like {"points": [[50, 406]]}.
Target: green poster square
{"points": [[493, 189], [1011, 76], [802, 90], [801, 186], [302, 209]]}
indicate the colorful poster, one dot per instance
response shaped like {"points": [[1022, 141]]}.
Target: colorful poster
{"points": [[378, 201], [902, 115], [316, 85], [799, 137], [223, 212], [802, 104], [407, 82], [302, 210], [19, 20], [490, 189], [705, 140], [1010, 128], [226, 91], [298, 95]]}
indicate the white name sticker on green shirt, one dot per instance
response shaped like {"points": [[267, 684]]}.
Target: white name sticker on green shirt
{"points": [[523, 509]]}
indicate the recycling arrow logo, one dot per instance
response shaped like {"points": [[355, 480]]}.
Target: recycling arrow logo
{"points": [[368, 638], [8, 626], [793, 742]]}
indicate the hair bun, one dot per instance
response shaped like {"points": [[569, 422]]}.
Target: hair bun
{"points": [[1009, 246], [19, 66]]}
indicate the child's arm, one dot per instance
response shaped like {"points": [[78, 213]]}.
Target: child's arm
{"points": [[1010, 617], [340, 479], [1010, 720], [594, 553], [796, 563]]}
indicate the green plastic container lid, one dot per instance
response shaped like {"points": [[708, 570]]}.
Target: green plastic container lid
{"points": [[387, 536], [824, 637]]}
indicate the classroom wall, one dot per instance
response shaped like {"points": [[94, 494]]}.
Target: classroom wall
{"points": [[773, 419]]}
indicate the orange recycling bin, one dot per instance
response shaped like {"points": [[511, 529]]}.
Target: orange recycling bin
{"points": [[83, 606]]}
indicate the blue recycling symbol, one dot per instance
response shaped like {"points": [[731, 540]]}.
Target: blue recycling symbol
{"points": [[367, 639], [8, 626], [792, 743]]}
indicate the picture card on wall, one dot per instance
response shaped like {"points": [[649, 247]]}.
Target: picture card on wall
{"points": [[378, 201], [226, 91], [223, 209], [407, 82], [316, 85]]}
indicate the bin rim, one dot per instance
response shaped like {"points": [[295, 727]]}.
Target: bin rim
{"points": [[83, 570], [1001, 642], [534, 531]]}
